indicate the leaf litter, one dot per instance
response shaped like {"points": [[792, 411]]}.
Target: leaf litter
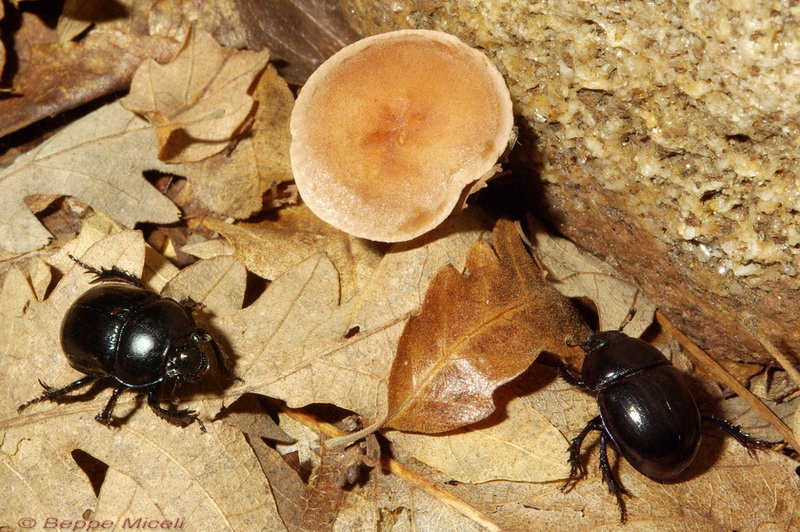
{"points": [[55, 77], [324, 332], [76, 162], [402, 268], [258, 163], [273, 246]]}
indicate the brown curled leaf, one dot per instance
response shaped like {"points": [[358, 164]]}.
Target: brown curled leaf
{"points": [[476, 331]]}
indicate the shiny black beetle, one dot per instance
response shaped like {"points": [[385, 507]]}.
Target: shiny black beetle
{"points": [[647, 411], [124, 333]]}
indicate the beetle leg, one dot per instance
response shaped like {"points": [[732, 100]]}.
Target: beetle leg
{"points": [[109, 274], [182, 418], [53, 395], [577, 471], [105, 416], [747, 441], [610, 478], [569, 374]]}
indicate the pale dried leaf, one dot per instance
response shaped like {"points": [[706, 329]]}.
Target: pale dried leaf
{"points": [[475, 332], [576, 273], [273, 246], [33, 272], [122, 497], [40, 277], [324, 496], [313, 506], [726, 490], [389, 503], [198, 100], [233, 184], [297, 344], [127, 16], [305, 446], [518, 444], [218, 490], [208, 249], [95, 226], [79, 15], [78, 162], [374, 483], [158, 270], [76, 17], [15, 297], [219, 283], [287, 487]]}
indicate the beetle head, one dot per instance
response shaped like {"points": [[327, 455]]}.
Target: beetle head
{"points": [[186, 360]]}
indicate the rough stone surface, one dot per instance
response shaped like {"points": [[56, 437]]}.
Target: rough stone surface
{"points": [[665, 135]]}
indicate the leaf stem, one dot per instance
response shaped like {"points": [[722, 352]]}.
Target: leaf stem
{"points": [[348, 439]]}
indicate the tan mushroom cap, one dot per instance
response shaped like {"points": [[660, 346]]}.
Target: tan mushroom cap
{"points": [[389, 131]]}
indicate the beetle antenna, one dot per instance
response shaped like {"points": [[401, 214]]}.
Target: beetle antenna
{"points": [[631, 312]]}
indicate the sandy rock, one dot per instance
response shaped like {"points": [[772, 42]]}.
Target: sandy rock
{"points": [[666, 140]]}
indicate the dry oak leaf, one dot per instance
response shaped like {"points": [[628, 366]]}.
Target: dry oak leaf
{"points": [[153, 467], [313, 506], [54, 78], [271, 247], [518, 444], [576, 273], [77, 16], [128, 16], [475, 332], [392, 503], [253, 417], [197, 101], [298, 344], [98, 159], [233, 184]]}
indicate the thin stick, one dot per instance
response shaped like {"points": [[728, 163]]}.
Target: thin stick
{"points": [[719, 373], [432, 489], [395, 467]]}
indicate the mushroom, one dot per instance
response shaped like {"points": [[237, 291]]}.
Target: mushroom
{"points": [[392, 130]]}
